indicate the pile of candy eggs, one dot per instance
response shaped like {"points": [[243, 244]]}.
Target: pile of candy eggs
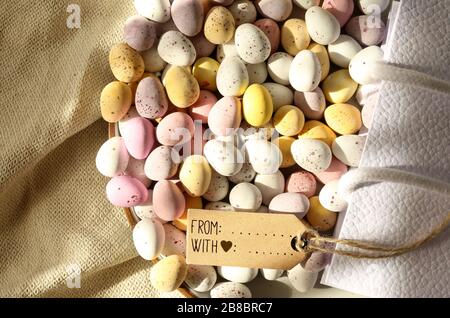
{"points": [[237, 106]]}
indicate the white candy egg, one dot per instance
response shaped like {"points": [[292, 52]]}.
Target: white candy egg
{"points": [[302, 280], [148, 238], [252, 45], [361, 65], [311, 154], [175, 241], [373, 7], [343, 50], [112, 158], [176, 49], [226, 50], [218, 187], [201, 278], [281, 95], [257, 73], [348, 149], [230, 290], [155, 10], [271, 274], [145, 210], [221, 206], [305, 71], [306, 4], [224, 157], [322, 26], [270, 185], [247, 174], [232, 77], [245, 197], [278, 66], [264, 156], [330, 199], [237, 274]]}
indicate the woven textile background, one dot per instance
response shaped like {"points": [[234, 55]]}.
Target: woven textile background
{"points": [[53, 211]]}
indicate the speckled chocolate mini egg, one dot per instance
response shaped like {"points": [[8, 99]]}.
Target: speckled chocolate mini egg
{"points": [[176, 49], [311, 154], [162, 163], [205, 71], [195, 175], [136, 170], [323, 27], [253, 46], [175, 241], [112, 158], [246, 174], [334, 171], [187, 16], [315, 129], [218, 188], [301, 279], [257, 105], [224, 157], [320, 218], [257, 73], [294, 36], [270, 185], [145, 209], [202, 46], [169, 273], [306, 4], [367, 30], [373, 6], [148, 238], [349, 149], [181, 86], [360, 67], [168, 200], [317, 262], [271, 274], [330, 199], [232, 77], [139, 137], [245, 197], [221, 206], [115, 101], [219, 25], [272, 31], [339, 87], [281, 95], [151, 99], [152, 61], [275, 10], [290, 202], [190, 203], [341, 9], [226, 50], [155, 10], [301, 182], [230, 290], [126, 191], [201, 278], [243, 11], [126, 64], [237, 274], [225, 116], [202, 107], [312, 104], [322, 55], [343, 50], [289, 120], [264, 156], [345, 119], [305, 72], [139, 33]]}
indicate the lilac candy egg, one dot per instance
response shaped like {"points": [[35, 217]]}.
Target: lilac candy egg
{"points": [[225, 116], [175, 129], [367, 30], [126, 191], [139, 137], [341, 9], [168, 200], [139, 33], [296, 203], [187, 16], [202, 46], [151, 99], [317, 262]]}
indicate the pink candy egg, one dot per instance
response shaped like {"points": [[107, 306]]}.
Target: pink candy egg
{"points": [[201, 108], [302, 182], [341, 9], [139, 137], [366, 30], [175, 129], [126, 191], [162, 163], [287, 202], [272, 31], [334, 172], [151, 99], [168, 200], [225, 116]]}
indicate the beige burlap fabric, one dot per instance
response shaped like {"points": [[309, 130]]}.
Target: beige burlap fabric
{"points": [[53, 212]]}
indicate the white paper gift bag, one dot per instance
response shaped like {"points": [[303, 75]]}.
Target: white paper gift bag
{"points": [[410, 132]]}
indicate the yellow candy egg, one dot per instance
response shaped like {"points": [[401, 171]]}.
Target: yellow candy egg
{"points": [[205, 71], [284, 143], [181, 87], [294, 36], [345, 119], [315, 129], [339, 87], [195, 175], [115, 101], [191, 203], [127, 65], [169, 273], [320, 218], [219, 25], [289, 120], [257, 105], [324, 59]]}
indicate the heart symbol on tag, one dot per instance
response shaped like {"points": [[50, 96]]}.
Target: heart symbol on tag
{"points": [[226, 245]]}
